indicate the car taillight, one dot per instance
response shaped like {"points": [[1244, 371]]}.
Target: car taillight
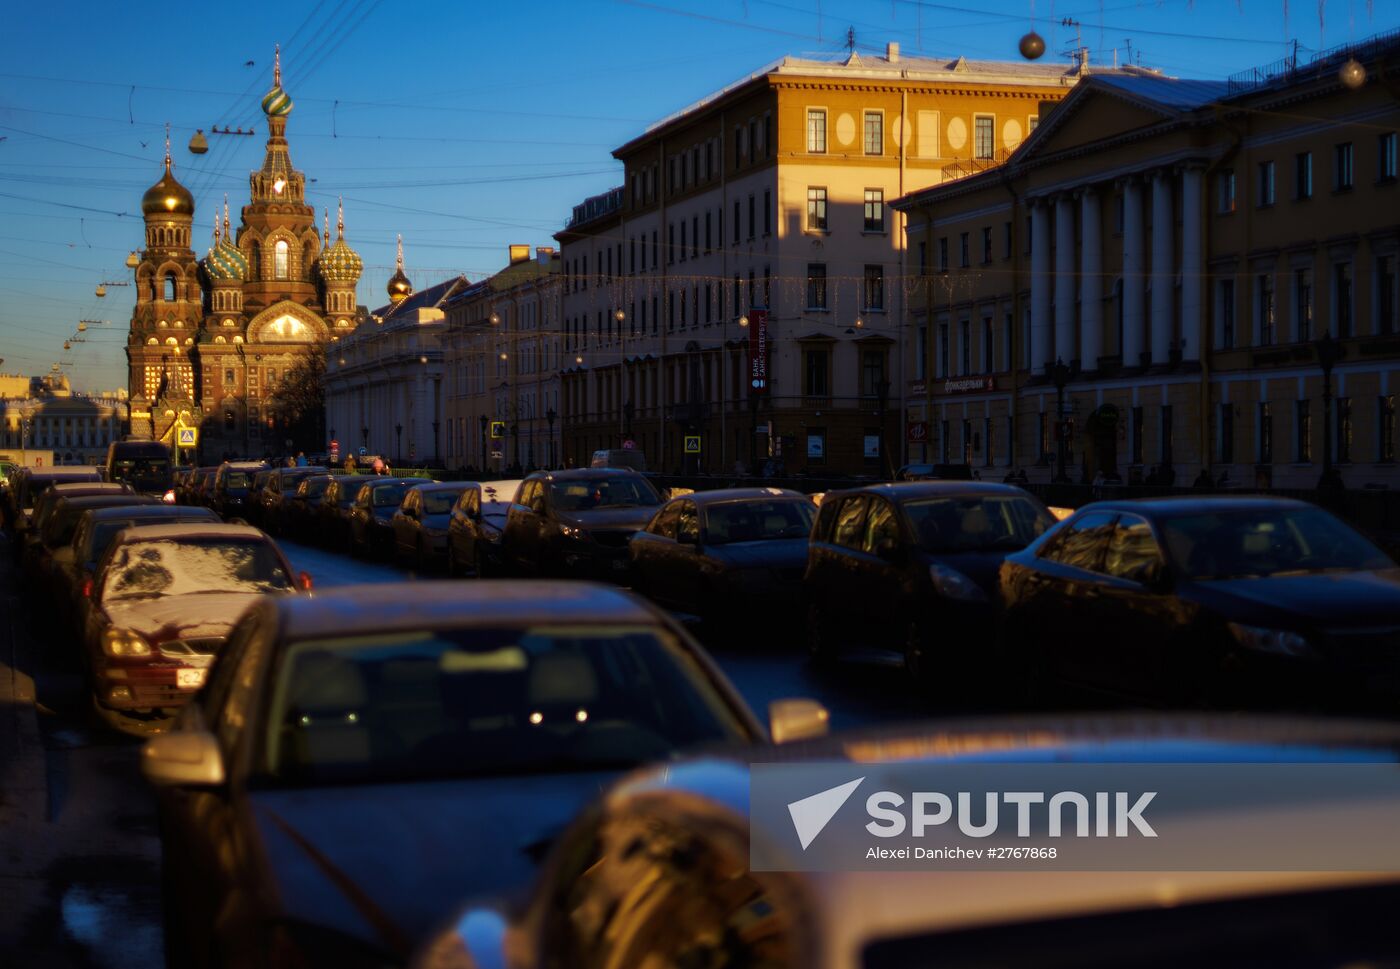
{"points": [[87, 588], [169, 497]]}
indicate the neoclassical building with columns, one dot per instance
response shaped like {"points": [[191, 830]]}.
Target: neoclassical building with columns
{"points": [[1157, 277]]}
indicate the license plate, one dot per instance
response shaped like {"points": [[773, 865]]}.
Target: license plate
{"points": [[189, 679]]}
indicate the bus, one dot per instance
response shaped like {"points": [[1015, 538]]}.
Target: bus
{"points": [[145, 465]]}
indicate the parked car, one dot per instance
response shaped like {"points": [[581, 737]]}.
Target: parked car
{"points": [[253, 508], [475, 528], [145, 465], [231, 494], [576, 524], [277, 494], [333, 511], [31, 526], [1204, 598], [300, 512], [162, 601], [202, 489], [29, 485], [731, 558], [371, 516], [187, 489], [420, 524], [39, 562], [382, 753], [934, 472], [628, 458], [921, 559], [656, 872]]}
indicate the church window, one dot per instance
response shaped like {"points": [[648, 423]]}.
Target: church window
{"points": [[220, 339], [170, 340], [237, 339], [280, 259], [170, 287], [179, 324], [162, 324], [152, 342]]}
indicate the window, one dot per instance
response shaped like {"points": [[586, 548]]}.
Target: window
{"points": [[818, 373], [767, 211], [1302, 175], [816, 131], [694, 238], [881, 525], [966, 442], [736, 222], [816, 285], [874, 296], [987, 344], [670, 244], [1385, 424], [280, 267], [943, 254], [751, 215], [923, 257], [1227, 315], [872, 373], [1341, 289], [1343, 167], [1302, 304], [1006, 240], [983, 140], [850, 522], [1225, 182], [1385, 156], [1266, 433], [1264, 289], [986, 442], [816, 209], [684, 247], [986, 244], [1385, 294], [1343, 430], [943, 359], [943, 450], [874, 133], [1043, 438], [709, 231], [1227, 433], [875, 210], [1081, 544], [1302, 432], [965, 347], [965, 250], [1132, 551], [1266, 183]]}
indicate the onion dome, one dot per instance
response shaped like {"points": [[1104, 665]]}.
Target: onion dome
{"points": [[277, 103], [225, 263], [341, 264], [167, 196], [399, 287]]}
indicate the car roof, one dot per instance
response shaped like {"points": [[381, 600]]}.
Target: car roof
{"points": [[106, 501], [571, 474], [153, 533], [382, 607], [1177, 504], [381, 479], [154, 510], [443, 486], [71, 471], [90, 488], [702, 498], [905, 490]]}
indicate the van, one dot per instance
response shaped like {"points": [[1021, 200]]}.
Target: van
{"points": [[145, 465], [619, 458]]}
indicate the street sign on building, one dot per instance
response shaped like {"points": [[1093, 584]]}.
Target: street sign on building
{"points": [[629, 445], [692, 444], [758, 351], [498, 430], [918, 432]]}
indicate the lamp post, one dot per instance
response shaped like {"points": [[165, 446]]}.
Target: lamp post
{"points": [[485, 455], [882, 394], [1060, 375], [1329, 351], [550, 417], [437, 458], [398, 444], [623, 389]]}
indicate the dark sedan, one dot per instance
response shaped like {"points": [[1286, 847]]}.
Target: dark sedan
{"points": [[1206, 599], [188, 489], [912, 567], [332, 512], [577, 524], [277, 494], [32, 526], [730, 558], [43, 556], [420, 524], [371, 516], [301, 513], [477, 524], [379, 754], [232, 491]]}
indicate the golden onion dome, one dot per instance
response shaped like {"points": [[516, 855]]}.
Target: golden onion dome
{"points": [[340, 263], [399, 287], [167, 196]]}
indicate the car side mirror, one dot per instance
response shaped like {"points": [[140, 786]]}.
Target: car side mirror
{"points": [[183, 759], [890, 550], [797, 719]]}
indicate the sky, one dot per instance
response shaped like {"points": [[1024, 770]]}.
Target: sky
{"points": [[463, 125]]}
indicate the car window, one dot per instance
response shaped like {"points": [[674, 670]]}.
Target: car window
{"points": [[880, 524], [980, 522], [437, 502], [387, 496], [171, 567], [616, 491], [221, 673], [755, 520], [235, 718], [850, 522], [362, 499], [687, 523], [1082, 543], [1132, 552], [1222, 543], [665, 522]]}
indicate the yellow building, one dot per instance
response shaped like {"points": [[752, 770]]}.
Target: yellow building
{"points": [[767, 202], [1179, 246]]}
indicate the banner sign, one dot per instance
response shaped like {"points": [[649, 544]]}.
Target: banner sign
{"points": [[758, 351], [969, 385]]}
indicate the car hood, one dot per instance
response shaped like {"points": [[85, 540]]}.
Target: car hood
{"points": [[1330, 600], [180, 617], [608, 519], [411, 853], [774, 553], [980, 567]]}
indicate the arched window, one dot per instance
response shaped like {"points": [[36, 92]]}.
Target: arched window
{"points": [[308, 256], [171, 341], [280, 260], [170, 287], [152, 342], [220, 339]]}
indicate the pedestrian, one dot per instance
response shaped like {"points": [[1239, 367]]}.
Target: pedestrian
{"points": [[1202, 482], [350, 465], [291, 461], [379, 467], [1097, 484], [301, 460]]}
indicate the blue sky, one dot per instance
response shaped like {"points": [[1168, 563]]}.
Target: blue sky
{"points": [[465, 126]]}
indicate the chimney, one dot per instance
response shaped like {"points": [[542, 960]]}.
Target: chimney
{"points": [[892, 52], [519, 254], [543, 255]]}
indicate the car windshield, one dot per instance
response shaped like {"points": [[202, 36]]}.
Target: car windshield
{"points": [[388, 496], [491, 701], [315, 487], [976, 523], [142, 471], [236, 479], [439, 502], [584, 494], [173, 567], [289, 484], [755, 521], [1256, 542]]}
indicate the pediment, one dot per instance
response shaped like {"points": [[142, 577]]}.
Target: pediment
{"points": [[1074, 123], [287, 322]]}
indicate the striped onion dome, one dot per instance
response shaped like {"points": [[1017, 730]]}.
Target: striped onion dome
{"points": [[226, 263], [276, 103]]}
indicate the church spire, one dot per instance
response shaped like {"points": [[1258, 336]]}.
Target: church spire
{"points": [[217, 236], [167, 146], [399, 287], [227, 233], [326, 232], [339, 218], [277, 65]]}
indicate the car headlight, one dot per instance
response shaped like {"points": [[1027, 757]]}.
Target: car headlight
{"points": [[574, 531], [952, 584], [124, 642], [1280, 642]]}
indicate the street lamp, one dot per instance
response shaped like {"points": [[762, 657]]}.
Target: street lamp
{"points": [[1329, 351], [1060, 375], [484, 452], [436, 456], [550, 417], [623, 388], [398, 444]]}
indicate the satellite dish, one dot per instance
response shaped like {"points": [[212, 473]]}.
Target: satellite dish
{"points": [[198, 143]]}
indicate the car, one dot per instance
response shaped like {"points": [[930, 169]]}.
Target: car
{"points": [[40, 557], [420, 524], [187, 491], [934, 472], [145, 465], [381, 753], [231, 494], [619, 458], [731, 558], [29, 485], [577, 523], [162, 600], [254, 505], [333, 511], [278, 491], [300, 519], [920, 559], [32, 525], [656, 872], [74, 564], [371, 515], [202, 488], [475, 528], [1207, 599]]}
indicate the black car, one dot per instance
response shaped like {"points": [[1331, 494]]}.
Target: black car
{"points": [[577, 524], [277, 494], [332, 512], [231, 495], [301, 513], [475, 528], [145, 465], [420, 524], [1206, 599], [912, 567], [729, 557], [42, 555], [371, 518]]}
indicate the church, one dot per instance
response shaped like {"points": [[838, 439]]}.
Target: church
{"points": [[211, 338]]}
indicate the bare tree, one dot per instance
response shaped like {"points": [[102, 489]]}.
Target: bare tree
{"points": [[299, 402]]}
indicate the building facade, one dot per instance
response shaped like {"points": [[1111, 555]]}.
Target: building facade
{"points": [[211, 338], [44, 414], [383, 380], [1157, 264], [502, 356], [767, 204]]}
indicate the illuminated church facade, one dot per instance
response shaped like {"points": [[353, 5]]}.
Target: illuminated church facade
{"points": [[211, 339]]}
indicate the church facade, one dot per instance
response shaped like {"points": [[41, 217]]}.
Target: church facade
{"points": [[211, 339]]}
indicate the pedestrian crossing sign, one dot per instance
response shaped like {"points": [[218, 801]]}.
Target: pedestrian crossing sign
{"points": [[692, 444], [498, 430], [186, 436]]}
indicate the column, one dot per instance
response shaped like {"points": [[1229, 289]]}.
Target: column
{"points": [[1090, 280], [1040, 286], [1065, 289], [1163, 268], [1192, 270], [1134, 273]]}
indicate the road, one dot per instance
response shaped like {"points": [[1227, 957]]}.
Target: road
{"points": [[79, 849]]}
